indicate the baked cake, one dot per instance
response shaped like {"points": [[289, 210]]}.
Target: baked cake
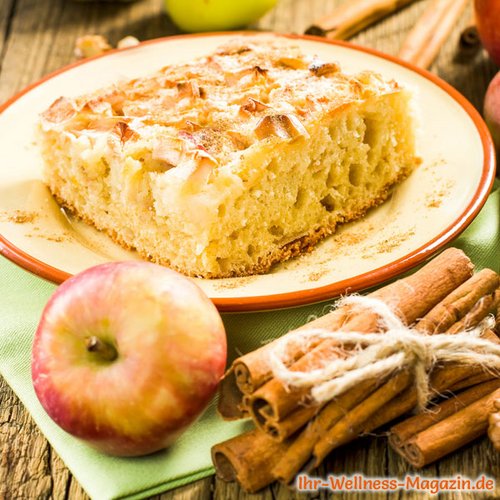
{"points": [[230, 163]]}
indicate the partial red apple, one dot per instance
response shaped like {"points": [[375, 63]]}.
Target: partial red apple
{"points": [[488, 26], [492, 109], [127, 355]]}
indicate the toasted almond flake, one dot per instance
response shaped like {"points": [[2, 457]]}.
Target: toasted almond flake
{"points": [[128, 41], [188, 89], [287, 127], [116, 98], [169, 150], [253, 105], [192, 126], [239, 140], [204, 165], [319, 68], [117, 125], [292, 62], [61, 110], [202, 154], [251, 75], [125, 132], [98, 105], [91, 45], [234, 50]]}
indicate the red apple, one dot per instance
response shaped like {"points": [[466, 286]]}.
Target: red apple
{"points": [[488, 26], [127, 355], [492, 109]]}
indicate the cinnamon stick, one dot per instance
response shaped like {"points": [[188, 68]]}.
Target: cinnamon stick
{"points": [[230, 404], [252, 370], [484, 307], [494, 425], [443, 379], [405, 430], [451, 433], [301, 448], [349, 427], [353, 16], [459, 302], [424, 41], [291, 424], [491, 335], [248, 458], [479, 377], [412, 297], [238, 456]]}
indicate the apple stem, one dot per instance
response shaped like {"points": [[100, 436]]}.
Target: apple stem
{"points": [[105, 351]]}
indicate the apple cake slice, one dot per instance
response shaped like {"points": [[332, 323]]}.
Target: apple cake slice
{"points": [[230, 163]]}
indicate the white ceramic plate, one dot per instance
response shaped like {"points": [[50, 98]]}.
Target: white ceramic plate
{"points": [[431, 207]]}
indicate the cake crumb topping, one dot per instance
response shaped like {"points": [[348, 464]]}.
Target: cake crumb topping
{"points": [[248, 91]]}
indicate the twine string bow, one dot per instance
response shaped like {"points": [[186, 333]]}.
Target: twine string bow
{"points": [[378, 355]]}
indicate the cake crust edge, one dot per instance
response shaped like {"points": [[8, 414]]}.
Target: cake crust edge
{"points": [[304, 244]]}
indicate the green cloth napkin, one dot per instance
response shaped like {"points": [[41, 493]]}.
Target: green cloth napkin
{"points": [[23, 298]]}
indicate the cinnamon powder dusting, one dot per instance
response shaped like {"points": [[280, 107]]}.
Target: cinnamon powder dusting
{"points": [[389, 244], [56, 238], [18, 216], [435, 199], [317, 275], [232, 283]]}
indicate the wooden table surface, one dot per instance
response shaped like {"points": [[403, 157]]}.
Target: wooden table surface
{"points": [[37, 37]]}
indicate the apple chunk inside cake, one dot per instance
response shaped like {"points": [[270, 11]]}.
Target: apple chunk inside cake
{"points": [[230, 163]]}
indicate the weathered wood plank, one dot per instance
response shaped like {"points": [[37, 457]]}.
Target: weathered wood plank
{"points": [[472, 461], [199, 490], [6, 16], [52, 26], [26, 468], [32, 27]]}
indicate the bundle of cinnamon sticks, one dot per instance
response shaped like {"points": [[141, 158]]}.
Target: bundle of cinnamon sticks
{"points": [[294, 433]]}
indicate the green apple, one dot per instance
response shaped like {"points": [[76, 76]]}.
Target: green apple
{"points": [[214, 15]]}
